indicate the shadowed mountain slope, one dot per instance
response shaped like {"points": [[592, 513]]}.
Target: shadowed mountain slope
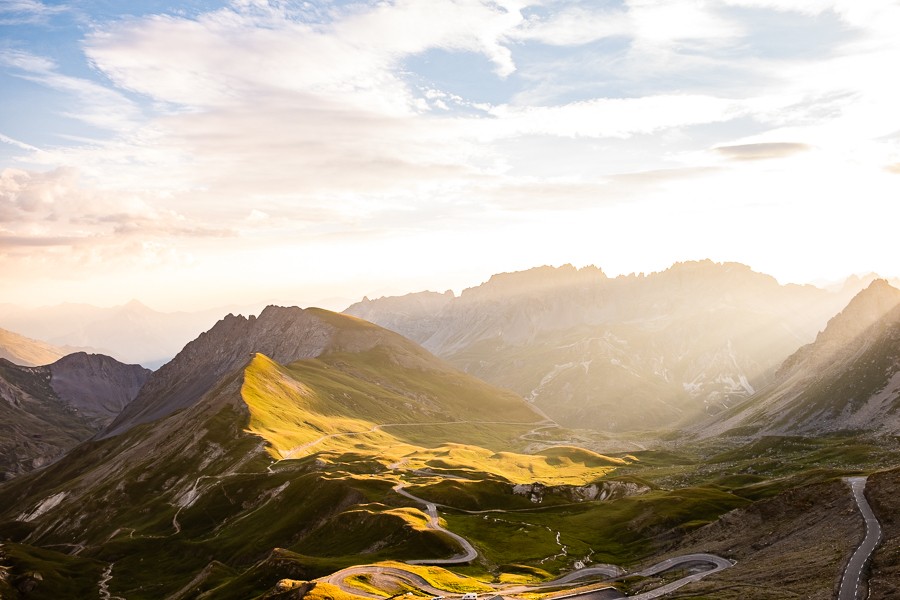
{"points": [[624, 353], [848, 379], [46, 410]]}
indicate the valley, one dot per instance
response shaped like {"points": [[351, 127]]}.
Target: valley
{"points": [[302, 453]]}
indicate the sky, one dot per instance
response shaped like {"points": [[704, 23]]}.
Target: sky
{"points": [[198, 153]]}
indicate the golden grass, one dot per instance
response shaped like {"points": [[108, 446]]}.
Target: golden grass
{"points": [[321, 414]]}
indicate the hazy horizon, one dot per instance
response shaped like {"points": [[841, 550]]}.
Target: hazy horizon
{"points": [[339, 303], [227, 153]]}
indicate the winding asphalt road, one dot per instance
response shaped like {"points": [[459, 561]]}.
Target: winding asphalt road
{"points": [[850, 584], [469, 553], [338, 578], [670, 563]]}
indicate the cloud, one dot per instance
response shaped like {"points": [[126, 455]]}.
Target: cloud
{"points": [[762, 151], [645, 22], [20, 241], [18, 144], [27, 12], [222, 57], [611, 117], [54, 205], [95, 104]]}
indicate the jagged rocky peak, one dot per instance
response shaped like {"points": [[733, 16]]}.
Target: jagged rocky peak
{"points": [[536, 280], [863, 311], [413, 304], [706, 274]]}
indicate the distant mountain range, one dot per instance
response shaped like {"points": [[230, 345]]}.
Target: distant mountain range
{"points": [[27, 352], [131, 333], [848, 379], [47, 410], [624, 353]]}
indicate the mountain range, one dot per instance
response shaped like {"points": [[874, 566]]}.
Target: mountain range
{"points": [[624, 353], [27, 352], [300, 441]]}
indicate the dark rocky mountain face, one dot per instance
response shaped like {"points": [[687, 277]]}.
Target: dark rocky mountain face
{"points": [[622, 353], [45, 411], [847, 379]]}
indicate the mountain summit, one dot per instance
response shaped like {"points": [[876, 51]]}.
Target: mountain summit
{"points": [[282, 334]]}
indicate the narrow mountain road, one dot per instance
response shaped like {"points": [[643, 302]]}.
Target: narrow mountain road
{"points": [[469, 553], [718, 563], [105, 578], [850, 584], [339, 578]]}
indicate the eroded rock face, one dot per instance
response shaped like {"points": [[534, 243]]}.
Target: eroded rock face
{"points": [[605, 490]]}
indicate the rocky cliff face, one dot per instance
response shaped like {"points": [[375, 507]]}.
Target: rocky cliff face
{"points": [[602, 490], [847, 379], [624, 353]]}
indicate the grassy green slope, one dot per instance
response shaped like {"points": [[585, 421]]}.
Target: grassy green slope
{"points": [[297, 404]]}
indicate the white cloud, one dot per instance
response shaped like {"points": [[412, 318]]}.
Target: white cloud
{"points": [[224, 57], [649, 23]]}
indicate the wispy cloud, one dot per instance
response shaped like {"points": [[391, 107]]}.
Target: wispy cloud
{"points": [[94, 104], [762, 151], [28, 12]]}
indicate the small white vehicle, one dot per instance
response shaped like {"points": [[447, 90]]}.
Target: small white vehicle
{"points": [[470, 596]]}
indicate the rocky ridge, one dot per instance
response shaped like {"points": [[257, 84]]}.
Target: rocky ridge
{"points": [[624, 353]]}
